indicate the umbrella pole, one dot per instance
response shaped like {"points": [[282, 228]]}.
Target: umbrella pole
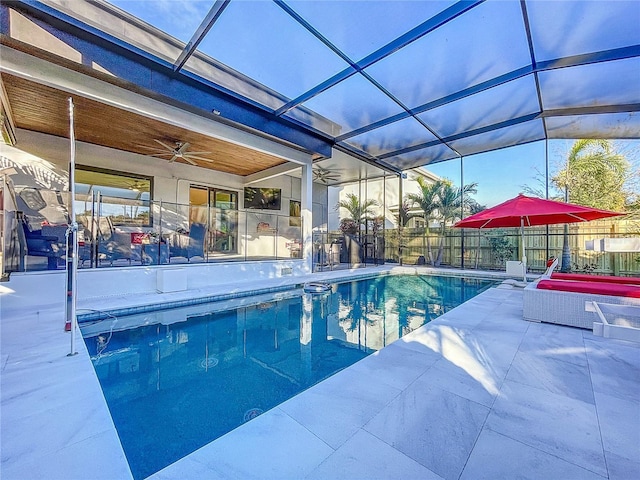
{"points": [[524, 255]]}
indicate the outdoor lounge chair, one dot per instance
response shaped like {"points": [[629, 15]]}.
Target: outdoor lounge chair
{"points": [[598, 288], [549, 271], [189, 246], [116, 247], [583, 277], [38, 243], [510, 283], [112, 244], [562, 301]]}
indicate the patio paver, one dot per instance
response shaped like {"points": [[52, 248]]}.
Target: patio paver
{"points": [[478, 393]]}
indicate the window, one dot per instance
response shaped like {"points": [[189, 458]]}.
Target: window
{"points": [[124, 198]]}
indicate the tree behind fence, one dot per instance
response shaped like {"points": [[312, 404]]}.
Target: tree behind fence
{"points": [[479, 252]]}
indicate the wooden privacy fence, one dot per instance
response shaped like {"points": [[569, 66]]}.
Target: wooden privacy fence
{"points": [[481, 254]]}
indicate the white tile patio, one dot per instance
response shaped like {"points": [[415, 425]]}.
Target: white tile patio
{"points": [[478, 393]]}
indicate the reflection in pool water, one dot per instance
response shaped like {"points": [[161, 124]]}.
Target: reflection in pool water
{"points": [[184, 377]]}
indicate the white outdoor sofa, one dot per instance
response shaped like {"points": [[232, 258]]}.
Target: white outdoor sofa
{"points": [[565, 308]]}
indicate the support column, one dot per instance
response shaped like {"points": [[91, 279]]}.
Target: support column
{"points": [[400, 218], [546, 187], [461, 216], [614, 256], [306, 204]]}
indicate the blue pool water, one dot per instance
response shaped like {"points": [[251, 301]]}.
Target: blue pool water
{"points": [[177, 379]]}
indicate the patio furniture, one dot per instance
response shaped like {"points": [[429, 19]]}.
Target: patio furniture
{"points": [[621, 322], [523, 211], [112, 244], [548, 273], [39, 244], [562, 302], [595, 278], [116, 247], [154, 253], [188, 246]]}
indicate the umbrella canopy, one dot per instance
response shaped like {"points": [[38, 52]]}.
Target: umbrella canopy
{"points": [[523, 211], [532, 211]]}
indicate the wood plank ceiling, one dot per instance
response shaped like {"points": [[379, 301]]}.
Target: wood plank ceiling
{"points": [[44, 109]]}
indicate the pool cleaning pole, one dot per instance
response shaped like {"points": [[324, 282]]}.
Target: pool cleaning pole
{"points": [[72, 283], [524, 253]]}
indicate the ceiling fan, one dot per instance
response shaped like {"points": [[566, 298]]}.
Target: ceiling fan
{"points": [[180, 150], [324, 175]]}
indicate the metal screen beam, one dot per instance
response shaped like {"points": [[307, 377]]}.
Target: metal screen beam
{"points": [[527, 27], [588, 58], [402, 41], [470, 133], [571, 61], [494, 82], [208, 21], [592, 110]]}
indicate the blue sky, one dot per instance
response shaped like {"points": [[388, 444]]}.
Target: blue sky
{"points": [[501, 174], [178, 18]]}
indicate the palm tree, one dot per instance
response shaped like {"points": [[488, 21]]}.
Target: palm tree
{"points": [[593, 175], [427, 200], [359, 212], [403, 217], [404, 213], [449, 206], [472, 207]]}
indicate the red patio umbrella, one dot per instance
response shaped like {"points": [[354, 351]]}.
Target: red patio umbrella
{"points": [[523, 211]]}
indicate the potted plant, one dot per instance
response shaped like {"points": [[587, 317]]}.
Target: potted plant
{"points": [[358, 213], [348, 226]]}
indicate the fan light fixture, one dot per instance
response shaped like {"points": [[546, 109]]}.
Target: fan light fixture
{"points": [[180, 151], [324, 175]]}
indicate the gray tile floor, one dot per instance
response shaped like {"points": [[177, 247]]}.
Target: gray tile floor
{"points": [[478, 393]]}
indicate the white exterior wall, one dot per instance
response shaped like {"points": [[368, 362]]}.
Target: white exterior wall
{"points": [[46, 291], [385, 192]]}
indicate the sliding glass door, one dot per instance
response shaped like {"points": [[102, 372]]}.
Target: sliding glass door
{"points": [[219, 209]]}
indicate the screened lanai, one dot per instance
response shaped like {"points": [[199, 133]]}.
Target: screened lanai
{"points": [[400, 84], [368, 90], [184, 106]]}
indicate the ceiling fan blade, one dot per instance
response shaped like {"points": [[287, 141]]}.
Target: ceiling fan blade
{"points": [[183, 147], [188, 155], [196, 153], [173, 158], [324, 175], [149, 148], [168, 147], [160, 155]]}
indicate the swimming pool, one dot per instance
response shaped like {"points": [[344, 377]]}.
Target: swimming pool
{"points": [[177, 379]]}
